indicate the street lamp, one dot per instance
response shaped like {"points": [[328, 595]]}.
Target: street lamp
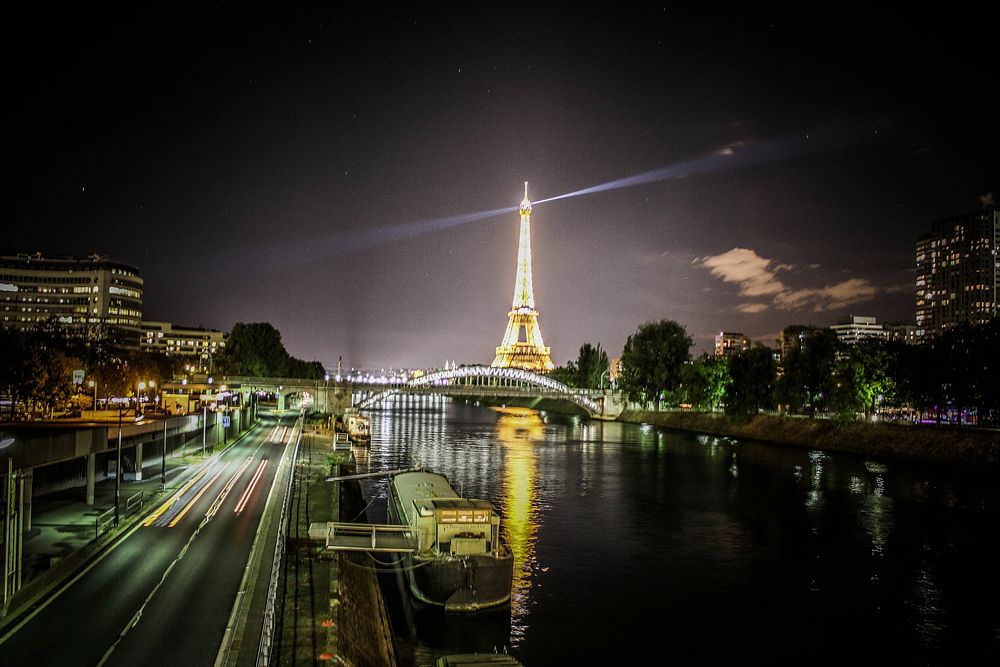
{"points": [[118, 459], [93, 383], [141, 388], [118, 464]]}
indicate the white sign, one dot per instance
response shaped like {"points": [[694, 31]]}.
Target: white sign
{"points": [[77, 377]]}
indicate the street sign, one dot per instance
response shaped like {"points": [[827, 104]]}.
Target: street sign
{"points": [[77, 377], [225, 421]]}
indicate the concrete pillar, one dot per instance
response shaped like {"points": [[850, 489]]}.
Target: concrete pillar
{"points": [[138, 462], [91, 462]]}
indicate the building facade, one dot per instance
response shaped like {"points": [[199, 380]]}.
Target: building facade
{"points": [[194, 343], [957, 271], [729, 344], [856, 328], [86, 296]]}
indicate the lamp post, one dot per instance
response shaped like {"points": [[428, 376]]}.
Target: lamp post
{"points": [[138, 391], [93, 383], [163, 455], [118, 465], [204, 426]]}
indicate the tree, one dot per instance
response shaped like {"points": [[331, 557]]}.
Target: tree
{"points": [[591, 366], [807, 378], [705, 381], [256, 349], [567, 374], [753, 375], [653, 359], [863, 378]]}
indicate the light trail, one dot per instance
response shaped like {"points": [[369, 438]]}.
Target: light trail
{"points": [[250, 487], [228, 487], [190, 503], [151, 519]]}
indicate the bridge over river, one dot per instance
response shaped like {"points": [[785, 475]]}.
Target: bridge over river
{"points": [[486, 384]]}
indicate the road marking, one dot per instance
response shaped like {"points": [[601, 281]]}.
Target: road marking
{"points": [[250, 487]]}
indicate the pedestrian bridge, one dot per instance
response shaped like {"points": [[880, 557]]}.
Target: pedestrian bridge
{"points": [[488, 382], [508, 386]]}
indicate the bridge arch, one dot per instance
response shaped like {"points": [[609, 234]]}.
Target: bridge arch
{"points": [[466, 375]]}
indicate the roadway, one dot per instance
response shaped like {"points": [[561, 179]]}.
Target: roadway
{"points": [[164, 593]]}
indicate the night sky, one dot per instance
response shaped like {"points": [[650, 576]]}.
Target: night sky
{"points": [[312, 170]]}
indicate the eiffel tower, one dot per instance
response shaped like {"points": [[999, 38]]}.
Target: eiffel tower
{"points": [[522, 345]]}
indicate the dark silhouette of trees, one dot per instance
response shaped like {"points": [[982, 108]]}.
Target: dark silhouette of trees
{"points": [[256, 349], [753, 374], [653, 359]]}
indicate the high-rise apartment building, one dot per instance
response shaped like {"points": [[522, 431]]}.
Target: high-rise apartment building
{"points": [[729, 344], [957, 271], [87, 296]]}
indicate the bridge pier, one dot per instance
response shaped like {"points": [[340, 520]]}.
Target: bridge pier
{"points": [[91, 464]]}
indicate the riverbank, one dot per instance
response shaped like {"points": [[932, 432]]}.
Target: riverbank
{"points": [[331, 608], [947, 444]]}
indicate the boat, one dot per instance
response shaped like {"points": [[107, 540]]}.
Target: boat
{"points": [[459, 563], [478, 660], [358, 426]]}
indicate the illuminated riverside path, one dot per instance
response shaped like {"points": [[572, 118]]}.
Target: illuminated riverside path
{"points": [[633, 541]]}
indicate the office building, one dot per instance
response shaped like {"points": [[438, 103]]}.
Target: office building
{"points": [[195, 343], [856, 328], [86, 296]]}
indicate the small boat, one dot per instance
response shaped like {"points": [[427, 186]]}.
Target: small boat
{"points": [[358, 426], [460, 562], [477, 660]]}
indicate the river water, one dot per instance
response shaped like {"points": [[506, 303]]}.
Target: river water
{"points": [[632, 541]]}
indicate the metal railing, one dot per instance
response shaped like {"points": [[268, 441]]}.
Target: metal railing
{"points": [[102, 521], [133, 503], [267, 632], [370, 537]]}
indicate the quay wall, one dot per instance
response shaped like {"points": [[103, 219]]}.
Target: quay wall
{"points": [[948, 444]]}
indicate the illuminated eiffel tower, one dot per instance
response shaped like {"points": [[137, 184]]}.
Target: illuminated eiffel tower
{"points": [[522, 345]]}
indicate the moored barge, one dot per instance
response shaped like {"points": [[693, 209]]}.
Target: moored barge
{"points": [[460, 562]]}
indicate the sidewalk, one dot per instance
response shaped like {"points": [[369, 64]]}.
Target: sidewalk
{"points": [[62, 522]]}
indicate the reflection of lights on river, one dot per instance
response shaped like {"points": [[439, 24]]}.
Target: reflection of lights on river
{"points": [[518, 435]]}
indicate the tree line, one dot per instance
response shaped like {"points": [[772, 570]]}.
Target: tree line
{"points": [[956, 372]]}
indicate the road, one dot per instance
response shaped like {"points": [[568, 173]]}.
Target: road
{"points": [[165, 593]]}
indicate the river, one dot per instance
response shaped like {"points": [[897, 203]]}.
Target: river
{"points": [[634, 541]]}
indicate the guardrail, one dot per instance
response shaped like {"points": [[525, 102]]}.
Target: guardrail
{"points": [[132, 504], [102, 521], [267, 632]]}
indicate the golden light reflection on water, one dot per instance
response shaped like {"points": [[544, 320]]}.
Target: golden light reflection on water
{"points": [[518, 435]]}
